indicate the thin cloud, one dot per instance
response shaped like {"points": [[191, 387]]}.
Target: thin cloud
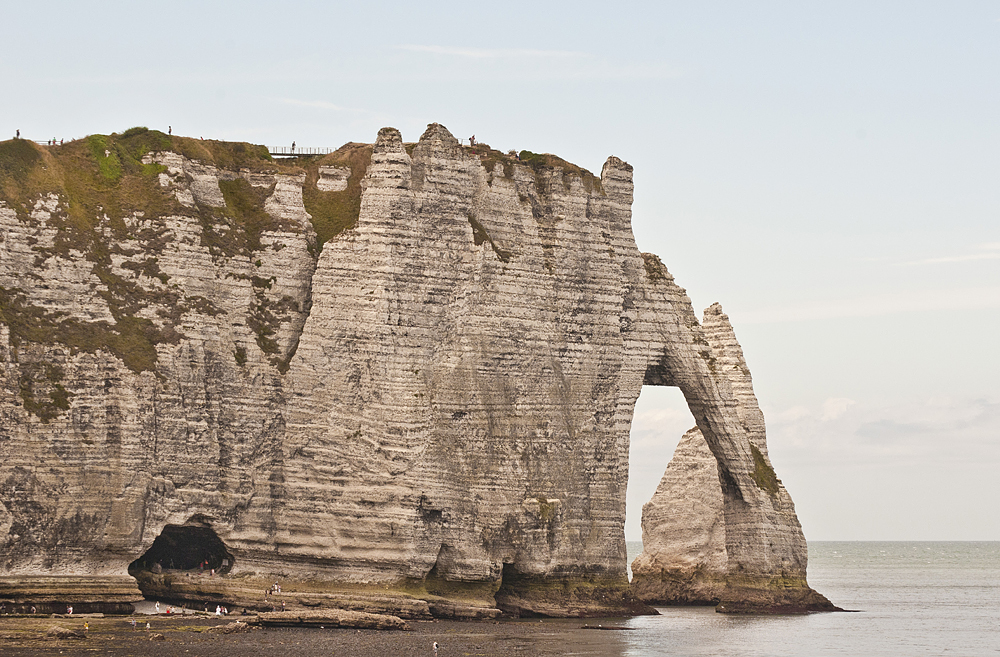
{"points": [[834, 407], [550, 64], [935, 430], [962, 258], [491, 53], [992, 250], [971, 298], [318, 104]]}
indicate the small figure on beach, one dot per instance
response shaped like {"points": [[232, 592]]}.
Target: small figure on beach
{"points": [[69, 610], [86, 627], [435, 648], [147, 626], [157, 606], [132, 623]]}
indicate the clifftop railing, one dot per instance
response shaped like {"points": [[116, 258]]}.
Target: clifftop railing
{"points": [[288, 151]]}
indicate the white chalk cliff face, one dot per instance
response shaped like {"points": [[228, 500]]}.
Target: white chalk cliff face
{"points": [[431, 406]]}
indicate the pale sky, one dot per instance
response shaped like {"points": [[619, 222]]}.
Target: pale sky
{"points": [[827, 171]]}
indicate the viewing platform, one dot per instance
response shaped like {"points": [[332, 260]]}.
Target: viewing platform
{"points": [[298, 151]]}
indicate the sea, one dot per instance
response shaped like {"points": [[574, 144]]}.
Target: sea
{"points": [[906, 598]]}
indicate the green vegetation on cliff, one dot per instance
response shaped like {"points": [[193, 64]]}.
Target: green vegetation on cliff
{"points": [[97, 192], [541, 161], [105, 200], [763, 473], [334, 212]]}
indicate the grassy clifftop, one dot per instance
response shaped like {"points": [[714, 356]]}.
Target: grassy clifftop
{"points": [[101, 197]]}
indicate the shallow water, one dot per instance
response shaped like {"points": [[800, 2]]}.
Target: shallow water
{"points": [[913, 598]]}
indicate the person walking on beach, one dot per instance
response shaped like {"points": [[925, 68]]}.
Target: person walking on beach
{"points": [[435, 648], [157, 606]]}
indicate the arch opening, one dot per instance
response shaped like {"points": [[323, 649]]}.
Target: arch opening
{"points": [[659, 420]]}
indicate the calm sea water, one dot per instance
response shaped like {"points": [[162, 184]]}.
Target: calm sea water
{"points": [[919, 598]]}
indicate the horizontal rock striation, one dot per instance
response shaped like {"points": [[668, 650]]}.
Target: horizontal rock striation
{"points": [[686, 546], [400, 371]]}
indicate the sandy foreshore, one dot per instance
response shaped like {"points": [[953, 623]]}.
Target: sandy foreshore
{"points": [[185, 636]]}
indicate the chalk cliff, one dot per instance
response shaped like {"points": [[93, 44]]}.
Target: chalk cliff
{"points": [[685, 557], [399, 377]]}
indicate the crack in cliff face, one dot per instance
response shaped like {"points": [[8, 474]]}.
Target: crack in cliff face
{"points": [[480, 235]]}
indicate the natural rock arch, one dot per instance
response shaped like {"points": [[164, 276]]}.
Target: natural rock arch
{"points": [[693, 532]]}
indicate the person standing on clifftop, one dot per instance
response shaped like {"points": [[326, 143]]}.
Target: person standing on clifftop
{"points": [[18, 135], [293, 146], [170, 129]]}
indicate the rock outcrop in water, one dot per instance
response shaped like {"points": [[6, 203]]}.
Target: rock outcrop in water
{"points": [[399, 378]]}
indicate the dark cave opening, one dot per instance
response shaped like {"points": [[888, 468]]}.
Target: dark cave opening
{"points": [[185, 547]]}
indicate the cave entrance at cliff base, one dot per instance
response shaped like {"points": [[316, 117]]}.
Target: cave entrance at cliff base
{"points": [[185, 547]]}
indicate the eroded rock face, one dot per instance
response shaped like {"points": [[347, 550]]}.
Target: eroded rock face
{"points": [[685, 557], [434, 405]]}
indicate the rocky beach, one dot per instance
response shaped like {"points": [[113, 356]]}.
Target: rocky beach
{"points": [[185, 636]]}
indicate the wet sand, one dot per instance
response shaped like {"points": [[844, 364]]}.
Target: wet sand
{"points": [[185, 637]]}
